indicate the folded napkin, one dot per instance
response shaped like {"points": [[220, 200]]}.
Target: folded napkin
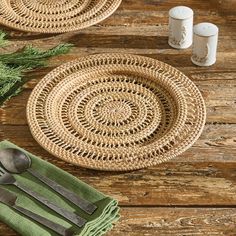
{"points": [[98, 223]]}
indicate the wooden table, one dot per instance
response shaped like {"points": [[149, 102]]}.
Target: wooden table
{"points": [[194, 194]]}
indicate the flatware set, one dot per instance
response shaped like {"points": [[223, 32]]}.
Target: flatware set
{"points": [[14, 161], [8, 179], [9, 199]]}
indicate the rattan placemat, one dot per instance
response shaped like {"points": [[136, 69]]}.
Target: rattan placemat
{"points": [[54, 16], [116, 112]]}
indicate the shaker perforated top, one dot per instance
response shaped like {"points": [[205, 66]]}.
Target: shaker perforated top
{"points": [[205, 29], [181, 12]]}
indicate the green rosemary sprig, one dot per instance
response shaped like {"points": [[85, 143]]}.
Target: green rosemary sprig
{"points": [[30, 57], [3, 41], [9, 78], [13, 66]]}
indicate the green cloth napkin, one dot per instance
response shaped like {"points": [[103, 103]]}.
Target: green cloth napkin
{"points": [[98, 223]]}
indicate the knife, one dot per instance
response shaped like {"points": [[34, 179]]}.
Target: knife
{"points": [[9, 199], [84, 204]]}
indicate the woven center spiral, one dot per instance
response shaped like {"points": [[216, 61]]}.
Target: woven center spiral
{"points": [[112, 112]]}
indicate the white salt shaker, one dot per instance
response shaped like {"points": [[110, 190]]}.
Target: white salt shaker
{"points": [[180, 27], [205, 41]]}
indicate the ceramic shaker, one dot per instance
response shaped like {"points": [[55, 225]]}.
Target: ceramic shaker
{"points": [[180, 27], [205, 41]]}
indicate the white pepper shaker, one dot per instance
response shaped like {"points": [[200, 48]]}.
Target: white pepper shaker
{"points": [[205, 41], [180, 27]]}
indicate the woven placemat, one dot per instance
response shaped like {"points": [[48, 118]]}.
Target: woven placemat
{"points": [[54, 16], [116, 112]]}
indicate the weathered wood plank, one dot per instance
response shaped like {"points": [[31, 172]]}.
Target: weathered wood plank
{"points": [[166, 221], [219, 97], [108, 40], [169, 184], [178, 222], [187, 181], [153, 39], [216, 144]]}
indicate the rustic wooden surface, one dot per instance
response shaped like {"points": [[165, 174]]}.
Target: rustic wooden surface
{"points": [[194, 194]]}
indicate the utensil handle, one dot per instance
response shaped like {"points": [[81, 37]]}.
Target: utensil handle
{"points": [[43, 221], [72, 197], [79, 221]]}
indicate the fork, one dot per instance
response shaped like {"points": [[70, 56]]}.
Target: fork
{"points": [[8, 179]]}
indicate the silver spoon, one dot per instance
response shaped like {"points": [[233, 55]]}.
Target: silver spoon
{"points": [[16, 161]]}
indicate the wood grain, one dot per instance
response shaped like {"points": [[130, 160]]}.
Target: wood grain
{"points": [[194, 194], [178, 222], [216, 144], [170, 221], [220, 99]]}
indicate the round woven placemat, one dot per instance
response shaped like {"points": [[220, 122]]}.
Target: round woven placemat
{"points": [[54, 16], [116, 112]]}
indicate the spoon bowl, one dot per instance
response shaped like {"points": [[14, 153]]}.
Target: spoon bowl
{"points": [[14, 160]]}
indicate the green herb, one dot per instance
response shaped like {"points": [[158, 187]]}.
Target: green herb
{"points": [[3, 41], [13, 66], [30, 57], [9, 78]]}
